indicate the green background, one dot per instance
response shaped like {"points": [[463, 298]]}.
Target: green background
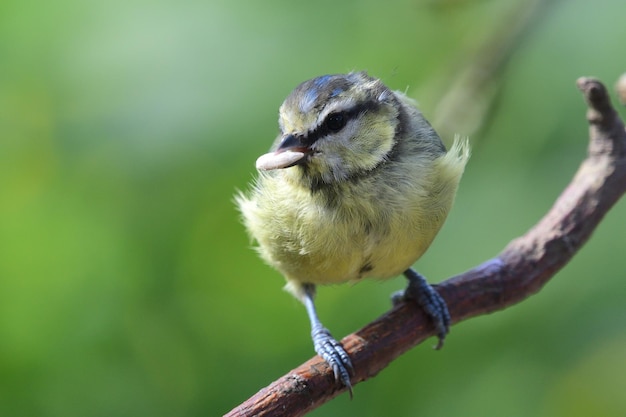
{"points": [[127, 284]]}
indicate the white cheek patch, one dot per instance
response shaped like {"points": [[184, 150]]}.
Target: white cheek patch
{"points": [[278, 160], [350, 131]]}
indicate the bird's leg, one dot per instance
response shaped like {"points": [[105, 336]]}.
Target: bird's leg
{"points": [[433, 304], [324, 343]]}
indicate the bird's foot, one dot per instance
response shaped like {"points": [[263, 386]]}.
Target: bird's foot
{"points": [[334, 354], [429, 299]]}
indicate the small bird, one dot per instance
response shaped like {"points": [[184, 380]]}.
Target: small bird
{"points": [[356, 185]]}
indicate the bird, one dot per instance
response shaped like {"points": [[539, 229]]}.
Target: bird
{"points": [[356, 185]]}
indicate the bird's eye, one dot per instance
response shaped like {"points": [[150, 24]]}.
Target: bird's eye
{"points": [[335, 122]]}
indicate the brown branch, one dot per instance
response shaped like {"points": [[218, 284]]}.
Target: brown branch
{"points": [[520, 270]]}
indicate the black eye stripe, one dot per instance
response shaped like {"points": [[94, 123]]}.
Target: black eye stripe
{"points": [[324, 129]]}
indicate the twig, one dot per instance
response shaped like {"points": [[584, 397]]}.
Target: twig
{"points": [[519, 271]]}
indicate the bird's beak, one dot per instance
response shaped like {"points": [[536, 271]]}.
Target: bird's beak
{"points": [[290, 152]]}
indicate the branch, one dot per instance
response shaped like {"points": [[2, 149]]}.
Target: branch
{"points": [[519, 271]]}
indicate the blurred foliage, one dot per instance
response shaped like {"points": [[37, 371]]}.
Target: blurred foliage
{"points": [[127, 286]]}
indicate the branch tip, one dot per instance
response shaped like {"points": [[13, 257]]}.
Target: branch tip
{"points": [[595, 94]]}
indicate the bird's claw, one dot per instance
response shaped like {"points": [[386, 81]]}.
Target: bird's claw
{"points": [[429, 299], [334, 354]]}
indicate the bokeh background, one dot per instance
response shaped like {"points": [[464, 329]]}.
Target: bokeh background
{"points": [[127, 284]]}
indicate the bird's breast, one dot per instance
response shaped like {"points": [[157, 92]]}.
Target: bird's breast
{"points": [[353, 238]]}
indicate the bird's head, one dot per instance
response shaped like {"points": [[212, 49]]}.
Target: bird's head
{"points": [[335, 127]]}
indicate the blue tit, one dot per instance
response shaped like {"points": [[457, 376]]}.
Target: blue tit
{"points": [[356, 185]]}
